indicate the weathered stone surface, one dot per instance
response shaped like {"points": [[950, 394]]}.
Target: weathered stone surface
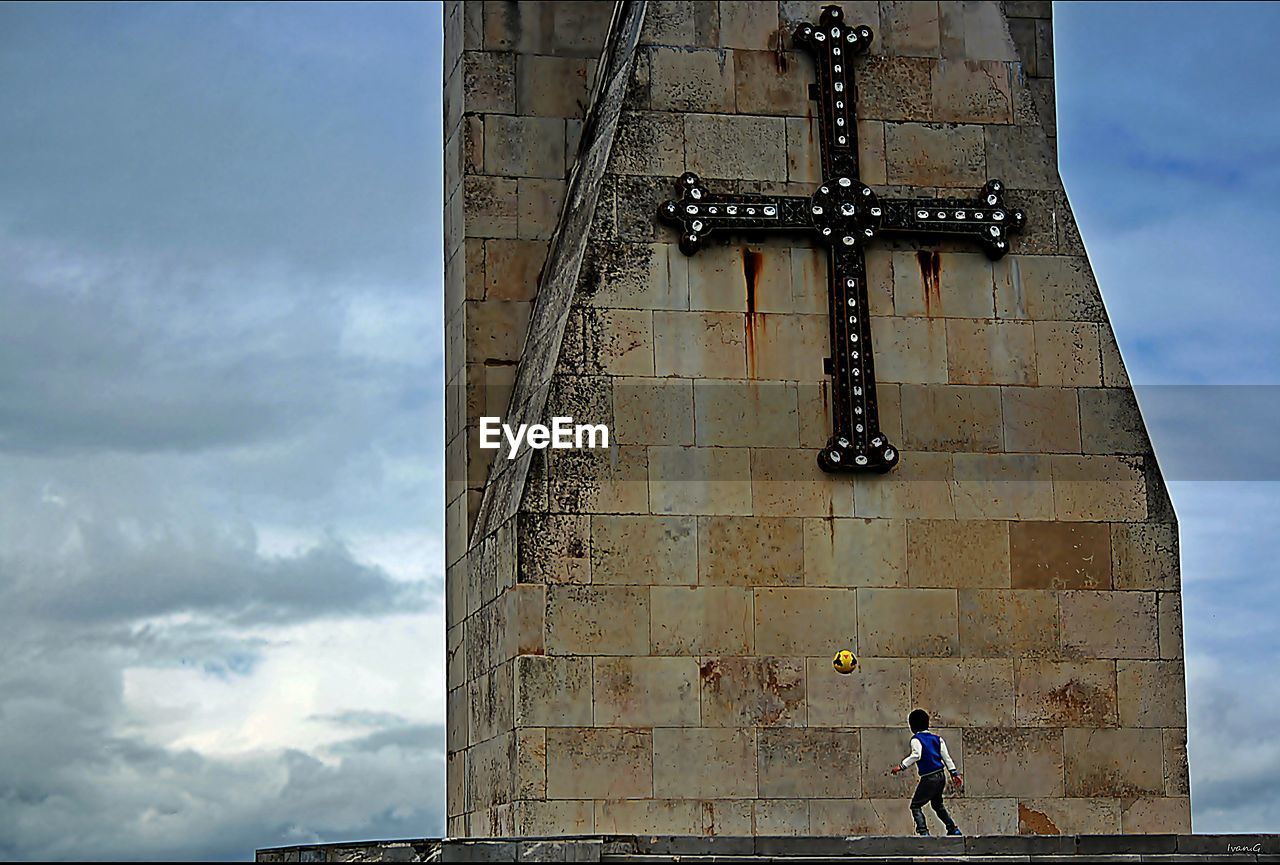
{"points": [[1098, 488], [1062, 816], [699, 480], [552, 86], [736, 146], [909, 350], [1060, 555], [599, 763], [907, 622], [753, 691], [943, 285], [1113, 762], [771, 82], [811, 762], [878, 692], [552, 692], [691, 79], [749, 24], [1151, 693], [670, 545], [1012, 762], [935, 154], [646, 692], [746, 414], [855, 552], [972, 91], [597, 620], [1169, 613], [951, 417], [1157, 815], [953, 554], [1110, 422], [990, 352], [1065, 694], [701, 620], [1068, 354], [726, 758], [699, 344], [1146, 555], [804, 621], [750, 551], [1041, 419], [1006, 623], [1109, 624], [789, 482], [967, 692]]}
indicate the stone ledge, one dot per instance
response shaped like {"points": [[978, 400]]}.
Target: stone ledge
{"points": [[647, 848]]}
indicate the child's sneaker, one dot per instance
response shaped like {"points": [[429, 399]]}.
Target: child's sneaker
{"points": [[955, 832]]}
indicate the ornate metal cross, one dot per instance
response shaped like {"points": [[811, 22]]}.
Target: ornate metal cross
{"points": [[845, 214]]}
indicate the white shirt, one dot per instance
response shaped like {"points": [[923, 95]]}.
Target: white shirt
{"points": [[917, 750]]}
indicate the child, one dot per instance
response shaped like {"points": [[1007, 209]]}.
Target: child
{"points": [[930, 752]]}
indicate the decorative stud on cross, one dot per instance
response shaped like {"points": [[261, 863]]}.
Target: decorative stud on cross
{"points": [[846, 214]]}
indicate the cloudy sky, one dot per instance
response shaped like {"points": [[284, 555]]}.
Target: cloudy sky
{"points": [[220, 404]]}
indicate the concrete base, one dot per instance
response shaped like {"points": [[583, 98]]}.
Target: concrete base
{"points": [[629, 848]]}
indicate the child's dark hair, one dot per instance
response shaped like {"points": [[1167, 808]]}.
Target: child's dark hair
{"points": [[919, 721]]}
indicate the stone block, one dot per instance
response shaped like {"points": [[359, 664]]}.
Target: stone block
{"points": [[989, 817], [491, 206], [871, 159], [1113, 762], [524, 146], [553, 817], [670, 547], [1110, 422], [906, 623], [599, 763], [972, 91], [810, 762], [725, 761], [649, 817], [771, 82], [752, 692], [951, 554], [935, 154], [681, 22], [1113, 369], [1109, 624], [1060, 555], [804, 157], [951, 417], [787, 347], [1151, 693], [781, 817], [531, 763], [855, 552], [646, 692], [1169, 613], [538, 202], [622, 341], [912, 350], [1068, 353], [910, 28], [600, 481], [746, 414], [1002, 486], [788, 482], [701, 620], [895, 88], [652, 411], [878, 692], [1012, 762], [749, 24], [1066, 694], [919, 487], [990, 352], [1061, 816], [526, 620], [751, 551], [489, 83], [971, 692], [623, 275], [733, 277], [699, 344], [691, 79], [1041, 419], [552, 692], [1163, 815], [648, 143], [554, 548], [735, 147], [488, 777], [805, 621], [1095, 488], [1177, 781], [597, 620], [848, 817], [1022, 156], [699, 480], [552, 86], [1145, 556], [882, 747], [1047, 288], [1005, 623], [512, 268]]}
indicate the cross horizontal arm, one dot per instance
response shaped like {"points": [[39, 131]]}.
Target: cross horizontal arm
{"points": [[698, 212], [985, 219]]}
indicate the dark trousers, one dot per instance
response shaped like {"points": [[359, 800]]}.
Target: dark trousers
{"points": [[930, 790]]}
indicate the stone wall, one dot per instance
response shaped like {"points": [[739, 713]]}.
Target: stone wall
{"points": [[646, 647]]}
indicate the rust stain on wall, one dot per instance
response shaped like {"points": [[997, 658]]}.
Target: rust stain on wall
{"points": [[931, 276], [752, 266], [1033, 822]]}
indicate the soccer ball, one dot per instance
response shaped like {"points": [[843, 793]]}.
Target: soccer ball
{"points": [[844, 661]]}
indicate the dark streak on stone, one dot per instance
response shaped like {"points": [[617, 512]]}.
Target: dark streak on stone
{"points": [[931, 275]]}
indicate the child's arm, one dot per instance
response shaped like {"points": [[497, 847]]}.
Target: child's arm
{"points": [[916, 751], [949, 763]]}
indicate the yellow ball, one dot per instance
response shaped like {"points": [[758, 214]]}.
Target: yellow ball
{"points": [[844, 661]]}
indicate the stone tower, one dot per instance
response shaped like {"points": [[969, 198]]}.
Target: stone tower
{"points": [[640, 639]]}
